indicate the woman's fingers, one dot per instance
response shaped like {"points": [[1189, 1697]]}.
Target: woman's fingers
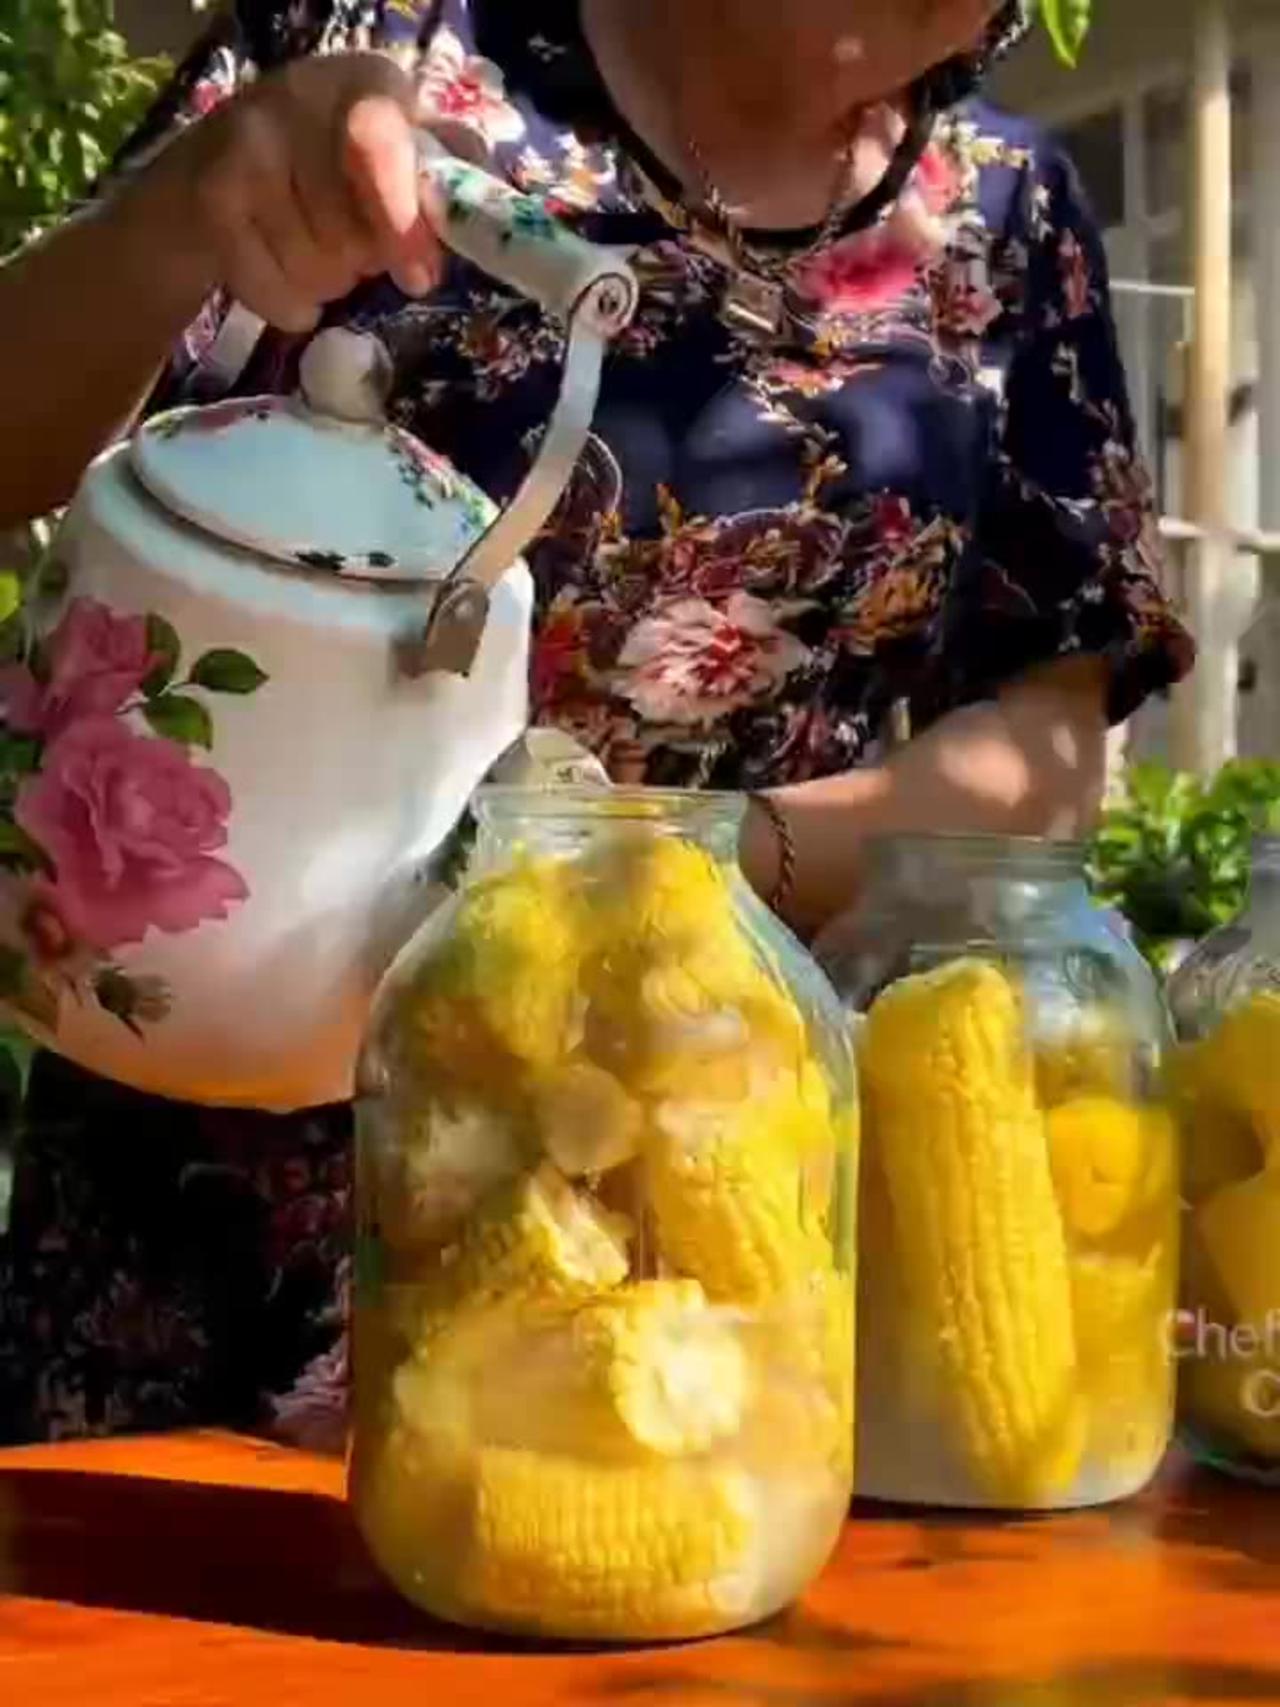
{"points": [[380, 161], [306, 238], [256, 277], [307, 184]]}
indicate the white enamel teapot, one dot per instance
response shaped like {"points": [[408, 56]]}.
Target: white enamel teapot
{"points": [[277, 645]]}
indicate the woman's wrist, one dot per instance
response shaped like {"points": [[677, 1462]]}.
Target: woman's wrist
{"points": [[156, 219], [800, 846], [768, 852]]}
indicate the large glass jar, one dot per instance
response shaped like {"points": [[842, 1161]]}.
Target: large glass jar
{"points": [[603, 1346], [1226, 1079], [1018, 1215]]}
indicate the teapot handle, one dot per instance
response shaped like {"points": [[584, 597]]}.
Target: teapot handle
{"points": [[512, 237]]}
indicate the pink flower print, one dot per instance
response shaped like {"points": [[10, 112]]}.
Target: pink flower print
{"points": [[205, 96], [216, 86], [936, 180], [893, 521], [456, 86], [867, 271], [131, 826], [557, 656], [875, 268], [693, 663], [1077, 293], [96, 660], [791, 552]]}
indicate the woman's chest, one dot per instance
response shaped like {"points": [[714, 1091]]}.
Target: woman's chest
{"points": [[690, 419]]}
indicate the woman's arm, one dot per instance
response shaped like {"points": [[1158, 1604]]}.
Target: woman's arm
{"points": [[1031, 762], [288, 195], [86, 318], [1056, 629]]}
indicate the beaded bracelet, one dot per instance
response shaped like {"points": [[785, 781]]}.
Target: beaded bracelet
{"points": [[781, 892]]}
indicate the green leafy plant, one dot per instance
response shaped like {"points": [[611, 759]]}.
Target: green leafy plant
{"points": [[1171, 853], [70, 94], [1068, 23]]}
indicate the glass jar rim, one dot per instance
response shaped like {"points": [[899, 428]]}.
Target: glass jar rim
{"points": [[588, 802], [982, 846]]}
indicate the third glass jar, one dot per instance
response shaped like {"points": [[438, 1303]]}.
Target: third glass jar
{"points": [[1019, 1193], [1226, 1079]]}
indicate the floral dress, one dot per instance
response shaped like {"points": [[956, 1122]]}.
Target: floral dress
{"points": [[767, 560]]}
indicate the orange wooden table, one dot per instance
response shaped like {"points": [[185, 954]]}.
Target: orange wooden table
{"points": [[207, 1571]]}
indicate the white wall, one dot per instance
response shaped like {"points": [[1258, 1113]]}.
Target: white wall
{"points": [[1139, 46]]}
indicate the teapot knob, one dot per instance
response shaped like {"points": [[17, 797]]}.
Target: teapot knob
{"points": [[346, 375]]}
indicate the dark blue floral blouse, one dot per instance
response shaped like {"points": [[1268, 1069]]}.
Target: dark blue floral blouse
{"points": [[929, 486]]}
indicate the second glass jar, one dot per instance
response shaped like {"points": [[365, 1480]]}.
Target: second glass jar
{"points": [[1019, 1195]]}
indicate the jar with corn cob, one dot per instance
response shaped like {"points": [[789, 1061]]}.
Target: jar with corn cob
{"points": [[1019, 1199], [607, 1194], [1225, 1079]]}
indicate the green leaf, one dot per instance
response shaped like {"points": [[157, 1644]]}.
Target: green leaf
{"points": [[180, 718], [165, 647], [21, 852], [1173, 853], [1067, 22], [10, 594], [24, 990], [17, 1054], [224, 670], [19, 754], [13, 969]]}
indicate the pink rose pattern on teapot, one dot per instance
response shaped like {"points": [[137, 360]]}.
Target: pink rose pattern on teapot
{"points": [[111, 824]]}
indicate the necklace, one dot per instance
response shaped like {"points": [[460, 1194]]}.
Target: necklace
{"points": [[755, 295]]}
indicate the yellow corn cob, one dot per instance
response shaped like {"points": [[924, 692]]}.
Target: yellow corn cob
{"points": [[442, 1164], [537, 1239], [827, 1339], [586, 1122], [800, 1417], [1113, 1165], [953, 1118], [1237, 1235], [678, 993], [1218, 1144], [1237, 1068], [1122, 1309], [656, 890], [727, 1188], [504, 989], [664, 1025], [660, 1369], [412, 1468], [1094, 1059], [566, 1549]]}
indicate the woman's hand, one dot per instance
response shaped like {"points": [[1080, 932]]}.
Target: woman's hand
{"points": [[1033, 762], [301, 186]]}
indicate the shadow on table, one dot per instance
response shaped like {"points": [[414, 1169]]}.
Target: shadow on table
{"points": [[1137, 1683], [1226, 1532], [283, 1562], [286, 1563]]}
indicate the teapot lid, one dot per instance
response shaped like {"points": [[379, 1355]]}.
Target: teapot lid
{"points": [[320, 481]]}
